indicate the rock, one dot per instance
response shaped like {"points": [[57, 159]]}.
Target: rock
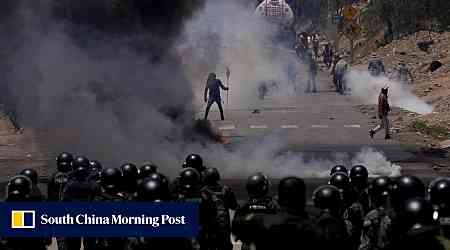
{"points": [[434, 65], [425, 45]]}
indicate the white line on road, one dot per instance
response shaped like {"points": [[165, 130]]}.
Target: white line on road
{"points": [[227, 127], [289, 126], [352, 126], [319, 126], [258, 126]]}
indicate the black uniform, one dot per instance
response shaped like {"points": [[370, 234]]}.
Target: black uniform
{"points": [[218, 237], [80, 189], [109, 243]]}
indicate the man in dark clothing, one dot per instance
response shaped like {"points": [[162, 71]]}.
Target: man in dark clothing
{"points": [[223, 197], [259, 203], [383, 111], [80, 189], [290, 226], [110, 192], [312, 72], [327, 55], [212, 88], [20, 189]]}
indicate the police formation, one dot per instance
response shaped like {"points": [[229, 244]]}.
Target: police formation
{"points": [[351, 212]]}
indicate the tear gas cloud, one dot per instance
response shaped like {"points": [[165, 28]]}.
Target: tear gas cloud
{"points": [[366, 88], [226, 34], [103, 96]]}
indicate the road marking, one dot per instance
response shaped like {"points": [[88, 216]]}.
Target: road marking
{"points": [[319, 126], [352, 126], [289, 126], [227, 127], [258, 126]]}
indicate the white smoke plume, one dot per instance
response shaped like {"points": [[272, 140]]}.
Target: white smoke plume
{"points": [[226, 34], [263, 155], [366, 88]]}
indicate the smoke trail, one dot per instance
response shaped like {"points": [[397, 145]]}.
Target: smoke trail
{"points": [[366, 88]]}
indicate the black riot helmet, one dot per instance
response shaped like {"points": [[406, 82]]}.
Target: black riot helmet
{"points": [[110, 179], [151, 189], [16, 196], [80, 167], [211, 176], [64, 162], [80, 161], [339, 168], [292, 193], [95, 166], [359, 176], [30, 173], [379, 190], [406, 187], [439, 195], [189, 180], [129, 171], [161, 177], [257, 185], [147, 169], [415, 214], [340, 180], [194, 161], [129, 177], [19, 186], [327, 197]]}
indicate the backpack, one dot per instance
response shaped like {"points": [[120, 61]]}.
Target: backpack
{"points": [[222, 221], [58, 184], [334, 230], [384, 230]]}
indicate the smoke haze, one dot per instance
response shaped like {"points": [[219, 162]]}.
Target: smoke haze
{"points": [[366, 88], [129, 97]]}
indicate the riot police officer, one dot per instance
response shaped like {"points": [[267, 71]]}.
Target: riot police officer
{"points": [[338, 168], [223, 197], [259, 203], [129, 180], [95, 168], [406, 187], [59, 179], [359, 177], [147, 169], [80, 189], [379, 224], [439, 196], [189, 190], [110, 192], [419, 230], [194, 161], [334, 234], [36, 194], [290, 226], [353, 211], [19, 189]]}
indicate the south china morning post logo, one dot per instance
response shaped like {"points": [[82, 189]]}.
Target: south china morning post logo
{"points": [[103, 219], [23, 219]]}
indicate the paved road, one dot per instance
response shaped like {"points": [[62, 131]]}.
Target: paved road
{"points": [[315, 123]]}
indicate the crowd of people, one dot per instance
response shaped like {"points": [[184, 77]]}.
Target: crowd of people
{"points": [[351, 212]]}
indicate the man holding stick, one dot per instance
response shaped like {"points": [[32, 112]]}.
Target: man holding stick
{"points": [[212, 94]]}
